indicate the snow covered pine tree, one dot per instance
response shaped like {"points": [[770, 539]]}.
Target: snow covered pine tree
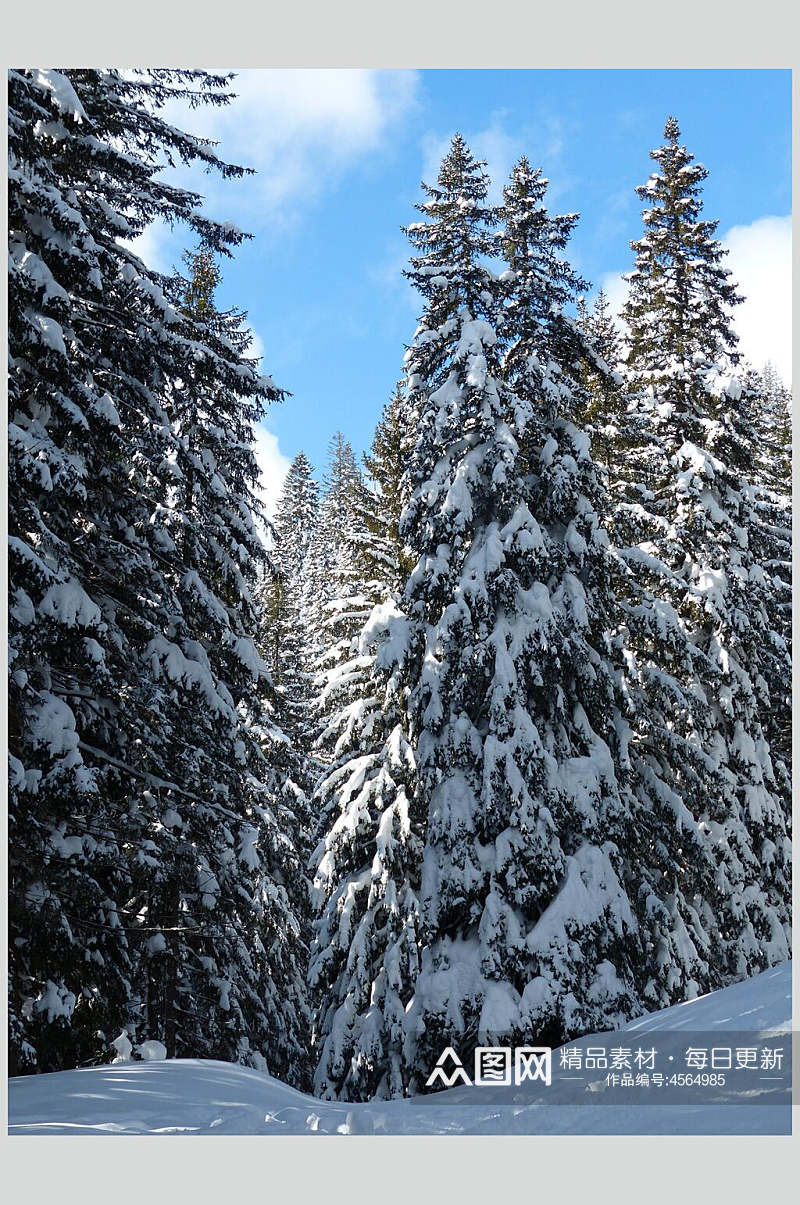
{"points": [[332, 574], [469, 883], [385, 464], [355, 721], [362, 567], [286, 591], [774, 420], [342, 571], [604, 418], [703, 664], [140, 813], [767, 403], [285, 601], [555, 768], [249, 914]]}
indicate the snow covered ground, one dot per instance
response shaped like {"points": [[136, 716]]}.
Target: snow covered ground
{"points": [[187, 1096]]}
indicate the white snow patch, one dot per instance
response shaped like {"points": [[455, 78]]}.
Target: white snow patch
{"points": [[188, 1095]]}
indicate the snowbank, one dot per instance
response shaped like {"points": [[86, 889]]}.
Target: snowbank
{"points": [[188, 1096]]}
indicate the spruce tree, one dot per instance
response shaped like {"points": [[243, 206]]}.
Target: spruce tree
{"points": [[337, 578], [143, 888], [385, 464], [768, 406], [286, 604], [250, 945], [773, 419], [680, 293], [366, 918], [327, 548], [700, 653], [605, 415], [361, 531], [91, 334], [469, 883], [286, 593]]}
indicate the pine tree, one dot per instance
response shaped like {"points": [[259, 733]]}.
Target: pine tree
{"points": [[339, 489], [90, 335], [680, 293], [774, 422], [250, 946], [287, 600], [355, 723], [366, 760], [772, 417], [599, 327], [711, 851], [605, 415], [360, 530], [768, 406], [286, 605], [144, 838], [385, 464], [337, 578], [481, 804]]}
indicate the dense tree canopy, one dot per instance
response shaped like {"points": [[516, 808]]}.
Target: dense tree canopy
{"points": [[484, 740]]}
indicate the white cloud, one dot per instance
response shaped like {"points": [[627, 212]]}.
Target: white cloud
{"points": [[273, 465], [615, 289], [256, 348], [299, 128], [760, 261], [158, 246]]}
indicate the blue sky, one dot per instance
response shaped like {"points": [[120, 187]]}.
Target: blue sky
{"points": [[340, 155]]}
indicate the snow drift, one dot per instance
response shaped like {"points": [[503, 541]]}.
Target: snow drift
{"points": [[189, 1096]]}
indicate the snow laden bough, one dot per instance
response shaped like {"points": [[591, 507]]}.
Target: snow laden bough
{"points": [[470, 883]]}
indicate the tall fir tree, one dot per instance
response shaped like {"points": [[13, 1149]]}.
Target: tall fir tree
{"points": [[679, 293], [368, 560], [285, 602], [385, 464], [330, 553], [286, 599], [87, 432], [768, 404], [251, 944], [605, 416], [338, 577], [774, 422], [469, 883], [357, 722], [142, 819], [701, 656]]}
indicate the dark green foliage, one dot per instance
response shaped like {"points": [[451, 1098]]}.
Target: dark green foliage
{"points": [[680, 292], [702, 661], [150, 855]]}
